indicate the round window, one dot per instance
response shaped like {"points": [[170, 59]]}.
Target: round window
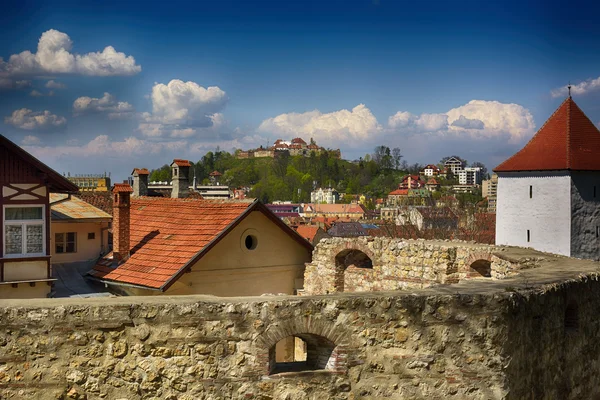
{"points": [[250, 241]]}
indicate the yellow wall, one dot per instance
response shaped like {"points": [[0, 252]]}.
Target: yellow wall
{"points": [[24, 270], [24, 291], [87, 249], [229, 269]]}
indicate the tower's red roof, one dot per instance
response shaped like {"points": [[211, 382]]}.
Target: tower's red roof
{"points": [[567, 141]]}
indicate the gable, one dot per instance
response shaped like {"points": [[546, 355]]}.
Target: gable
{"points": [[272, 248], [18, 166]]}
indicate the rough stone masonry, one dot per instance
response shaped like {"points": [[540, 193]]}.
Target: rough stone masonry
{"points": [[531, 335]]}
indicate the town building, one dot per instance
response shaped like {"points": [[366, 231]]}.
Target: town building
{"points": [[324, 196], [469, 176], [411, 182], [549, 191], [190, 246], [351, 212], [409, 197], [295, 147], [285, 210], [313, 233], [454, 164], [25, 234], [79, 231], [432, 185], [489, 190], [91, 182], [432, 170]]}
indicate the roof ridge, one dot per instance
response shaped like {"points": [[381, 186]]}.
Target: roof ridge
{"points": [[568, 144]]}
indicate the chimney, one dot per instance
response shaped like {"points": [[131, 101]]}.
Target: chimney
{"points": [[120, 223], [140, 182], [180, 171]]}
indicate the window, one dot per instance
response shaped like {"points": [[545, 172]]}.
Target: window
{"points": [[250, 242], [91, 235], [530, 193], [24, 231], [528, 235], [65, 242]]}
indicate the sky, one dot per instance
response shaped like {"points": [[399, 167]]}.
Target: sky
{"points": [[111, 86]]}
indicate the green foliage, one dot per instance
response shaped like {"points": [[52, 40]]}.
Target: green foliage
{"points": [[294, 177]]}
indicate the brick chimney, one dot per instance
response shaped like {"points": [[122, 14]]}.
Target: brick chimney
{"points": [[120, 224], [180, 170], [140, 182]]}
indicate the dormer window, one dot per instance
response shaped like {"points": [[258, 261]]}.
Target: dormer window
{"points": [[24, 231]]}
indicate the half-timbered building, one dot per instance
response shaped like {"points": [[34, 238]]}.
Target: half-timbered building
{"points": [[25, 186]]}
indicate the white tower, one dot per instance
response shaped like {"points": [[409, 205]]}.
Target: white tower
{"points": [[549, 192]]}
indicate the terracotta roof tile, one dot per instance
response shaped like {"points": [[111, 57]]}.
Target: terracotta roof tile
{"points": [[166, 234], [567, 141], [181, 163], [308, 232], [140, 171], [122, 188]]}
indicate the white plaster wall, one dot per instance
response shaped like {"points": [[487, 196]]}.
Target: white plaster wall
{"points": [[585, 210], [547, 215]]}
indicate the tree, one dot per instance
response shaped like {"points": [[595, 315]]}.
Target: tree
{"points": [[396, 156], [481, 165]]}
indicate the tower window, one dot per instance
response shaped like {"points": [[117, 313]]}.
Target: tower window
{"points": [[530, 193], [528, 236]]}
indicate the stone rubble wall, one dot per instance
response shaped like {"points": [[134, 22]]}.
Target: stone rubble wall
{"points": [[399, 264], [479, 344], [397, 347]]}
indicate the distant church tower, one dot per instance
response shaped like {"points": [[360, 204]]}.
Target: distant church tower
{"points": [[549, 192]]}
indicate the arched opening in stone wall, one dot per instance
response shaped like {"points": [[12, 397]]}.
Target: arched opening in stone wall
{"points": [[572, 318], [482, 268], [349, 258], [302, 352]]}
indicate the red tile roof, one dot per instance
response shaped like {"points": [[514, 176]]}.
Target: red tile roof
{"points": [[567, 141], [399, 192], [308, 232], [122, 188], [140, 171], [181, 163], [168, 236], [215, 173]]}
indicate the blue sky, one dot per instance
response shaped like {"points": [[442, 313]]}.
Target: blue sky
{"points": [[475, 79]]}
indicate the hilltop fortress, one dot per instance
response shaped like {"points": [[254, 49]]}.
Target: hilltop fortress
{"points": [[295, 147]]}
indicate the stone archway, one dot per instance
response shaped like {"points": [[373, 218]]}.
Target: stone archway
{"points": [[346, 259], [326, 346], [481, 268]]}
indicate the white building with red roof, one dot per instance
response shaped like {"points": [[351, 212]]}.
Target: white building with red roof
{"points": [[549, 192]]}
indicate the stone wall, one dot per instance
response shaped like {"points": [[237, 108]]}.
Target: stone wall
{"points": [[399, 264], [476, 340]]}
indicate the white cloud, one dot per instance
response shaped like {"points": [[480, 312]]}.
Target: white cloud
{"points": [[418, 123], [183, 109], [54, 56], [51, 84], [478, 118], [468, 123], [30, 140], [498, 119], [581, 88], [106, 104], [35, 93], [8, 84], [39, 120], [104, 146], [351, 127]]}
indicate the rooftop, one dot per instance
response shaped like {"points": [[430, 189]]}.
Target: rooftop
{"points": [[67, 208], [567, 141]]}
